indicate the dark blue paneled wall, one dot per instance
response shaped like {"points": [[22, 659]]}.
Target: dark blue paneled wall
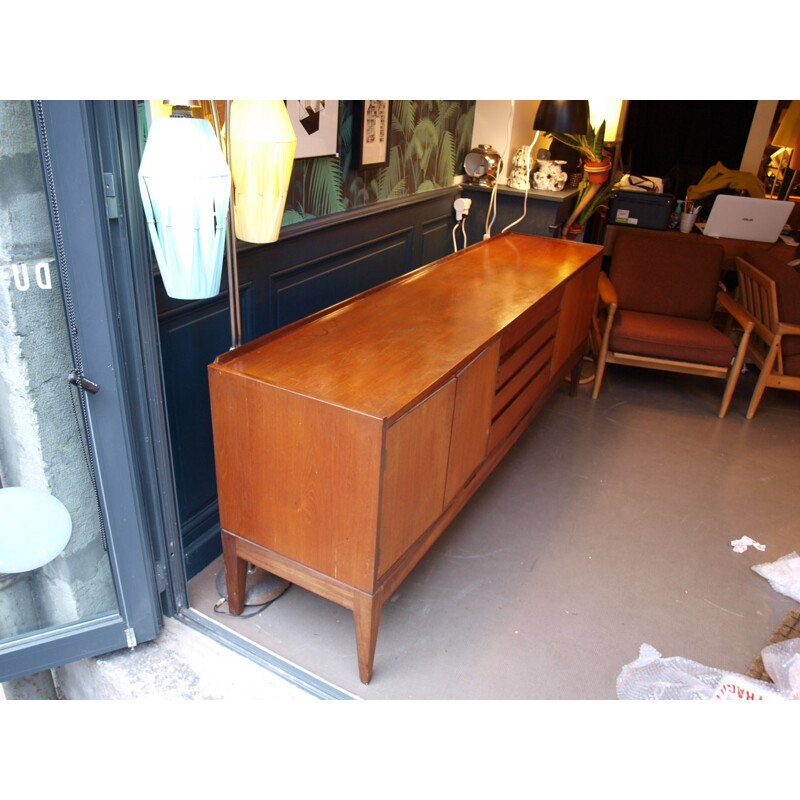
{"points": [[314, 265]]}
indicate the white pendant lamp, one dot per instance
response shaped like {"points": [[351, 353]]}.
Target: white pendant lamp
{"points": [[262, 147], [35, 529], [185, 184]]}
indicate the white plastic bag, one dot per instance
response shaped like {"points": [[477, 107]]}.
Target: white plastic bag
{"points": [[783, 575], [652, 677], [782, 662]]}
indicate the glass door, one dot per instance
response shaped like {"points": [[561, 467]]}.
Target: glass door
{"points": [[78, 575]]}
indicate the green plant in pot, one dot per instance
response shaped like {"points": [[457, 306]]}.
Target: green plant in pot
{"points": [[590, 197], [596, 167]]}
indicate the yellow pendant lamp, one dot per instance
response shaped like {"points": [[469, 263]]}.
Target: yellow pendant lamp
{"points": [[262, 147]]}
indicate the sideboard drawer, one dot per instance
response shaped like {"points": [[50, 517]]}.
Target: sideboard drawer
{"points": [[519, 380], [526, 349], [527, 323], [513, 413]]}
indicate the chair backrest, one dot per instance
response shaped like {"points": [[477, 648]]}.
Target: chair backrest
{"points": [[666, 273], [757, 294], [787, 282]]}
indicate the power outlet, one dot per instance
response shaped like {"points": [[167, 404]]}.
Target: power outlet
{"points": [[462, 206]]}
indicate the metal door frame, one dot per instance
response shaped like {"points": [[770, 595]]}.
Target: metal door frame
{"points": [[85, 147]]}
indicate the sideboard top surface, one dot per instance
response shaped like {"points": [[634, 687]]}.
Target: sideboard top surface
{"points": [[378, 351]]}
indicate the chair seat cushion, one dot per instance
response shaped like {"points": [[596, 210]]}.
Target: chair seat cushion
{"points": [[673, 338]]}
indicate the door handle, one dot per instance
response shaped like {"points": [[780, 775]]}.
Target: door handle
{"points": [[76, 379]]}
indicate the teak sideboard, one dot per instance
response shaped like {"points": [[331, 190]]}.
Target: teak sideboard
{"points": [[346, 443]]}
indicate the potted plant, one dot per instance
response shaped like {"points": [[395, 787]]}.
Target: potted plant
{"points": [[596, 161], [596, 167], [590, 197]]}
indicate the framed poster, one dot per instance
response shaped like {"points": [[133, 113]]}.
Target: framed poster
{"points": [[373, 122], [315, 124]]}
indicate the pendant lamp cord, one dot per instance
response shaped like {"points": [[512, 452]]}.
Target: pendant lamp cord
{"points": [[231, 256]]}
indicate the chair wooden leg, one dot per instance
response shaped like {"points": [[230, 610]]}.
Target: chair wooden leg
{"points": [[601, 367], [761, 383], [734, 372]]}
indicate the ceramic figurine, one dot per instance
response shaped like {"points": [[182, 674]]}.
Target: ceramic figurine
{"points": [[519, 177], [550, 176]]}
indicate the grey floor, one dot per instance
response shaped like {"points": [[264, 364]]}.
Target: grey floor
{"points": [[607, 526]]}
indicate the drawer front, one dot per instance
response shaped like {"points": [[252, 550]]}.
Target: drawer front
{"points": [[524, 369], [528, 322], [510, 416], [540, 359], [514, 361]]}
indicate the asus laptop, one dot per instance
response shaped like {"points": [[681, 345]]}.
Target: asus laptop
{"points": [[756, 219]]}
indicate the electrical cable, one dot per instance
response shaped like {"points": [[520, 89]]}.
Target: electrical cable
{"points": [[257, 609], [527, 185], [492, 210]]}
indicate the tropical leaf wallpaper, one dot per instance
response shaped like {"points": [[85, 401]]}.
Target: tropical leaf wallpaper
{"points": [[427, 145]]}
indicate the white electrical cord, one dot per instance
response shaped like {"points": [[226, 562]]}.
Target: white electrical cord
{"points": [[463, 233], [527, 185], [492, 211]]}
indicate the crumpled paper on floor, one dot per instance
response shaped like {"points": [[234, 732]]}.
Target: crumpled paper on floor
{"points": [[740, 545], [783, 575]]}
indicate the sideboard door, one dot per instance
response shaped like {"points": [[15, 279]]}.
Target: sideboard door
{"points": [[472, 418], [415, 472]]}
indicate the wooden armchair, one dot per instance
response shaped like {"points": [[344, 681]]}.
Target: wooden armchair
{"points": [[769, 292], [655, 310]]}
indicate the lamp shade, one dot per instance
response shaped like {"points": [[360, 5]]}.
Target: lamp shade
{"points": [[788, 133], [185, 185], [36, 528], [262, 147], [562, 116]]}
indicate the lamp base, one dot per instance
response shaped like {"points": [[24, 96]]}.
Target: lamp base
{"points": [[261, 587]]}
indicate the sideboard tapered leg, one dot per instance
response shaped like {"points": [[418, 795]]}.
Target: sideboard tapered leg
{"points": [[235, 574], [367, 616]]}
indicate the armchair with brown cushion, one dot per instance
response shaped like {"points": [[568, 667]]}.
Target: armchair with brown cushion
{"points": [[769, 292], [655, 310]]}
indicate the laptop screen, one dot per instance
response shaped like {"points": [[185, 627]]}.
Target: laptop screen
{"points": [[755, 219]]}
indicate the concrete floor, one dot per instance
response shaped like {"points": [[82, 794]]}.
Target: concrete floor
{"points": [[607, 526]]}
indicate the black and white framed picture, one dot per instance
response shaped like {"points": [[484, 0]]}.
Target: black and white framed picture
{"points": [[315, 124], [373, 122]]}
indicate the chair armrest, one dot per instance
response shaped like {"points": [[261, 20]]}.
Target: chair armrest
{"points": [[606, 290], [743, 317], [788, 329]]}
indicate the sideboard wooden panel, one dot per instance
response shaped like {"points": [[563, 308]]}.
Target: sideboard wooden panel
{"points": [[346, 442], [415, 474], [472, 418]]}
